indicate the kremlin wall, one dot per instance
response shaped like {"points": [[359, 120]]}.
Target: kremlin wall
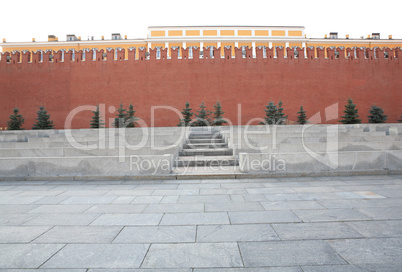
{"points": [[243, 82]]}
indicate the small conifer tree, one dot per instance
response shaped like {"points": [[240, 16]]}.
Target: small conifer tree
{"points": [[270, 114], [96, 121], [131, 119], [43, 120], [121, 117], [351, 114], [301, 118], [187, 114], [280, 118], [218, 115], [202, 118], [16, 120], [377, 115]]}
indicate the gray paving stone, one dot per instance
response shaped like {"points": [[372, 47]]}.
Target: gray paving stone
{"points": [[176, 192], [291, 205], [242, 185], [254, 269], [288, 253], [9, 193], [5, 187], [224, 191], [79, 234], [137, 219], [60, 219], [43, 270], [26, 255], [147, 199], [389, 192], [349, 195], [223, 207], [258, 191], [131, 208], [4, 209], [236, 233], [314, 231], [330, 215], [321, 189], [87, 200], [366, 251], [39, 193], [60, 209], [378, 228], [32, 186], [382, 213], [198, 186], [15, 219], [195, 219], [361, 203], [170, 199], [333, 268], [19, 200], [237, 198], [129, 192], [174, 208], [255, 198], [204, 199], [381, 267], [263, 217], [291, 197], [123, 200], [82, 192], [139, 270], [193, 255], [50, 200], [18, 234], [160, 234], [98, 256], [155, 186]]}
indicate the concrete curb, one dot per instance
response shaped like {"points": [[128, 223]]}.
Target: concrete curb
{"points": [[207, 176]]}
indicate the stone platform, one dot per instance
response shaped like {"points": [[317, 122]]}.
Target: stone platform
{"points": [[309, 224], [209, 152]]}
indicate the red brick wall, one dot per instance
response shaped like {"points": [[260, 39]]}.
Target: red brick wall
{"points": [[311, 82]]}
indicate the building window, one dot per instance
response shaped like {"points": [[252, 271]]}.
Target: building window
{"points": [[336, 54], [333, 35], [296, 53], [116, 36], [94, 53], [41, 55], [158, 52], [376, 36], [190, 51], [243, 52], [73, 51]]}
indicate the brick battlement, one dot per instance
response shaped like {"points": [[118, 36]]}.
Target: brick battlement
{"points": [[277, 54], [243, 83]]}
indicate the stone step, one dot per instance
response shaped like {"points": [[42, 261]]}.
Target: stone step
{"points": [[200, 172], [212, 136], [206, 152], [194, 161], [204, 141], [204, 145]]}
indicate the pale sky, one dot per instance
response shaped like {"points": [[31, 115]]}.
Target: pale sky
{"points": [[20, 21]]}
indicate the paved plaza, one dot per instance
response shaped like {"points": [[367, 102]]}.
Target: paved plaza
{"points": [[337, 224]]}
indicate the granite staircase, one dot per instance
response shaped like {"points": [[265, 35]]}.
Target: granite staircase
{"points": [[206, 152]]}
